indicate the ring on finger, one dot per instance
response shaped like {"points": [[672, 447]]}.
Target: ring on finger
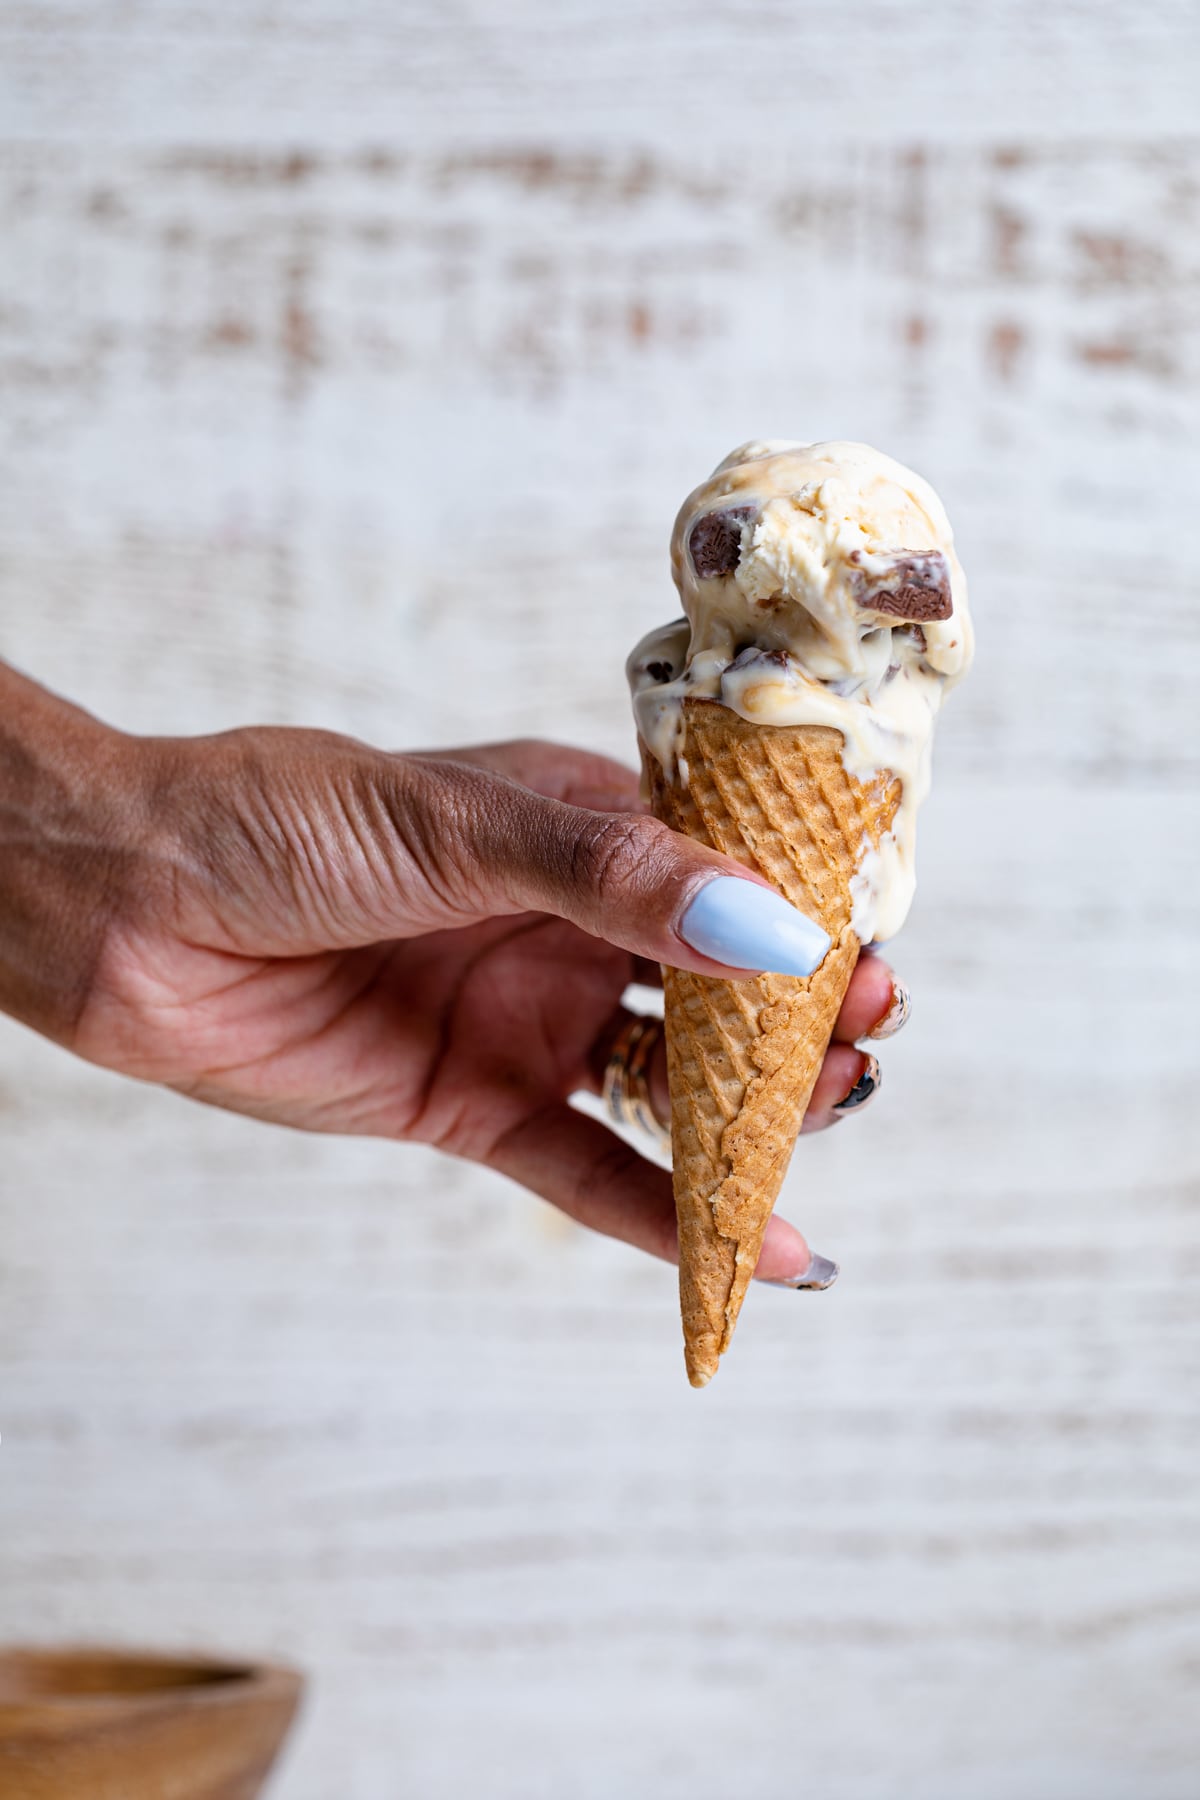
{"points": [[626, 1088]]}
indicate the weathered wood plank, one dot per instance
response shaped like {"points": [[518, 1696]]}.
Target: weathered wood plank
{"points": [[879, 70], [349, 374]]}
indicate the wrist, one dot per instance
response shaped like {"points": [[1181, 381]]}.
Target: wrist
{"points": [[68, 819]]}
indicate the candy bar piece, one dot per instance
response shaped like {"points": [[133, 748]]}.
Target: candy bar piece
{"points": [[716, 541], [917, 587]]}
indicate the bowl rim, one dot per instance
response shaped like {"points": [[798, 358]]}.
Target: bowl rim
{"points": [[215, 1679]]}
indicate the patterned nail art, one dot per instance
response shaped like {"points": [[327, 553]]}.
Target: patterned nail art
{"points": [[897, 1013], [864, 1087]]}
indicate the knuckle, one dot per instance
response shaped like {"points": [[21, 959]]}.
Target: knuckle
{"points": [[434, 823], [618, 855]]}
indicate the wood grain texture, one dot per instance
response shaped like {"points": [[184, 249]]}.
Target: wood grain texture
{"points": [[352, 364]]}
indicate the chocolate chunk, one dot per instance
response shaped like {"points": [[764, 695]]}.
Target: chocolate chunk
{"points": [[716, 541], [917, 586], [913, 602], [660, 671]]}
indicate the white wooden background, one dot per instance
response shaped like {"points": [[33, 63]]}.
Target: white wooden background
{"points": [[353, 358]]}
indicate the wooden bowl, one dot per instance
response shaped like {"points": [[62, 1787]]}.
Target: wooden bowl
{"points": [[117, 1725]]}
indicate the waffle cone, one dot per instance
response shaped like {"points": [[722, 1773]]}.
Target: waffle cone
{"points": [[742, 1057]]}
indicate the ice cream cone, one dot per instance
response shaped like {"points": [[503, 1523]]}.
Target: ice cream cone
{"points": [[787, 720], [742, 1057]]}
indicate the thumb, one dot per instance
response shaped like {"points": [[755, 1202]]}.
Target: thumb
{"points": [[491, 846]]}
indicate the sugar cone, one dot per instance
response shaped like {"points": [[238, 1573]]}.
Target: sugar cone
{"points": [[742, 1057]]}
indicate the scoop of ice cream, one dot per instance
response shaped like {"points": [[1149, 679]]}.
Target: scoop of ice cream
{"points": [[820, 587]]}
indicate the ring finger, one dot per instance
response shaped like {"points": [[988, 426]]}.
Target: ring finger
{"points": [[849, 1077]]}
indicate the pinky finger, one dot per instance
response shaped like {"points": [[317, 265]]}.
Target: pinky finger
{"points": [[595, 1177]]}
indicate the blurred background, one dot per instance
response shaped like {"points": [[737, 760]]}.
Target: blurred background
{"points": [[353, 362]]}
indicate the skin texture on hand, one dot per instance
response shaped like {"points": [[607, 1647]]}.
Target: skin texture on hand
{"points": [[292, 925]]}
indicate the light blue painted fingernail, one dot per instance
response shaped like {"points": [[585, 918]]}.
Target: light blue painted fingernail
{"points": [[752, 927]]}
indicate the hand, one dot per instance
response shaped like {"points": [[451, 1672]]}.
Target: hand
{"points": [[430, 948]]}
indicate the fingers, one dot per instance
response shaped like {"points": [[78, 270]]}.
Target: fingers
{"points": [[877, 1002], [598, 1179], [316, 842], [475, 844], [368, 846], [785, 1254], [630, 880], [558, 771], [876, 1005], [593, 1176], [896, 1017], [867, 998], [849, 1079]]}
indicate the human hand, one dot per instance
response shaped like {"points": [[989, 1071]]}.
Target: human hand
{"points": [[432, 948]]}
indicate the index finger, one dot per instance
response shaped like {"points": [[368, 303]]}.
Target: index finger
{"points": [[558, 771]]}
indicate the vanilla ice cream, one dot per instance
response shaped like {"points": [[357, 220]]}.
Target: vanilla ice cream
{"points": [[820, 587]]}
